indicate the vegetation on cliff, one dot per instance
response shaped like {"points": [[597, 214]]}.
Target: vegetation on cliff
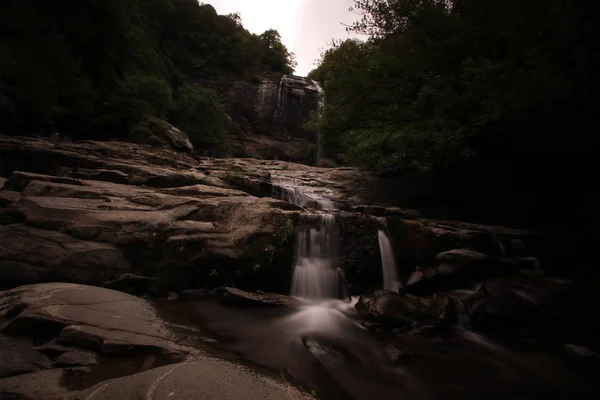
{"points": [[102, 69], [491, 96]]}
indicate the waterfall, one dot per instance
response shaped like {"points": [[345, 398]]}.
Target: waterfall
{"points": [[388, 262], [294, 195], [316, 247], [321, 109], [282, 94], [316, 251]]}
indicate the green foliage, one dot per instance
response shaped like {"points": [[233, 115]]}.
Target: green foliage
{"points": [[100, 69], [439, 83], [197, 112]]}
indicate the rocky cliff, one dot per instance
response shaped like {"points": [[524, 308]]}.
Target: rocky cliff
{"points": [[267, 117]]}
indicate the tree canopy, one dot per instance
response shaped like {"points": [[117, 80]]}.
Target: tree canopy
{"points": [[99, 69], [473, 90]]}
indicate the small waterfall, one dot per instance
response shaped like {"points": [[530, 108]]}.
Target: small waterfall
{"points": [[317, 240], [293, 194], [282, 94], [321, 109], [388, 263], [316, 251]]}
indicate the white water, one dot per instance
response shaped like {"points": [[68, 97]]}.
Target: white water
{"points": [[317, 241], [388, 263], [315, 276], [294, 195]]}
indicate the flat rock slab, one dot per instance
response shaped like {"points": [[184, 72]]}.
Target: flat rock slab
{"points": [[240, 298], [88, 317], [206, 379]]}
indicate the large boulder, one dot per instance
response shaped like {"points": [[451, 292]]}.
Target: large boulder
{"points": [[460, 269]]}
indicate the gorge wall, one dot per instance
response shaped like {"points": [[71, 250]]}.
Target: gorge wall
{"points": [[267, 117]]}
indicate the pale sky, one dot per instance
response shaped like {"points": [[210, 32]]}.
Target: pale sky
{"points": [[306, 26]]}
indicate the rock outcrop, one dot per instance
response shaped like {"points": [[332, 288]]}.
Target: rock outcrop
{"points": [[94, 342], [90, 212], [268, 117]]}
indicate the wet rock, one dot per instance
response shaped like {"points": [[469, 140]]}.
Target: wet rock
{"points": [[379, 211], [76, 358], [456, 269], [580, 351], [203, 379], [17, 356], [393, 309], [239, 298], [523, 300], [41, 385], [33, 255], [195, 294], [395, 355], [131, 283], [87, 317]]}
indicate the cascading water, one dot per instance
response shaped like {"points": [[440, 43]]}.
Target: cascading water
{"points": [[316, 251], [388, 263], [294, 195], [315, 275], [321, 109], [282, 94]]}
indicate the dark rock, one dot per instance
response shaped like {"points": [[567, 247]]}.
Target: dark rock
{"points": [[88, 317], [131, 283], [33, 255], [18, 357], [41, 385], [379, 211], [522, 300], [393, 309], [195, 294], [76, 358], [103, 175], [457, 269], [239, 298], [178, 139], [2, 181], [19, 180]]}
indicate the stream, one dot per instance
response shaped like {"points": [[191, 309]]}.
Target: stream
{"points": [[324, 347]]}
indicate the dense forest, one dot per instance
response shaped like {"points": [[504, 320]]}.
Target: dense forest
{"points": [[495, 99], [119, 68]]}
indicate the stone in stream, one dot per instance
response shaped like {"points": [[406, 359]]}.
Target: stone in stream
{"points": [[460, 269]]}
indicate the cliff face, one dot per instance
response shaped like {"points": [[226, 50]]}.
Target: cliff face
{"points": [[267, 117]]}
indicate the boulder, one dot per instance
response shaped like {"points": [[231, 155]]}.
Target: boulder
{"points": [[18, 357], [239, 298], [76, 358], [393, 309], [178, 139], [456, 269], [87, 317], [31, 254]]}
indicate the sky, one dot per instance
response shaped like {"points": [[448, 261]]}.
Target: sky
{"points": [[306, 26]]}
